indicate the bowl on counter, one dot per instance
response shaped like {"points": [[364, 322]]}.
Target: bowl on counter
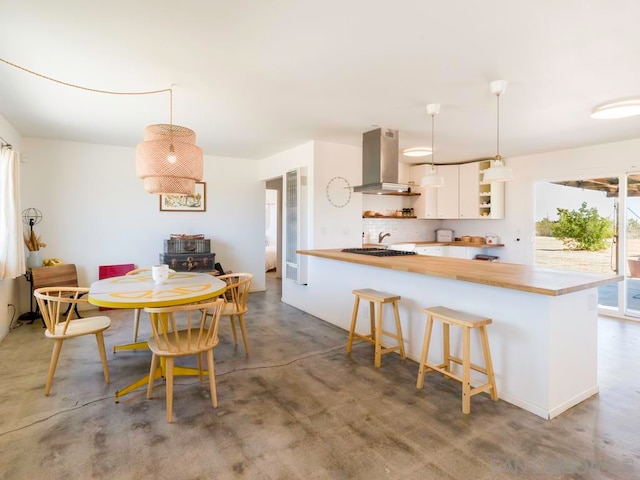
{"points": [[477, 239], [465, 238]]}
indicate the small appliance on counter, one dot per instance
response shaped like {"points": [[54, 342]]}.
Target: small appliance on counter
{"points": [[444, 235], [492, 239]]}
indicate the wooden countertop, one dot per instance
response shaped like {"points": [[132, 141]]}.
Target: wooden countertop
{"points": [[543, 281], [459, 244]]}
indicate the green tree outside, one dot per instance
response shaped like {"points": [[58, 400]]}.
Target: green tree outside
{"points": [[633, 228], [583, 229], [544, 227]]}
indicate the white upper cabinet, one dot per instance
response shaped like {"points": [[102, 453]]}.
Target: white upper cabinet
{"points": [[440, 202], [463, 195], [448, 195], [425, 205], [469, 185]]}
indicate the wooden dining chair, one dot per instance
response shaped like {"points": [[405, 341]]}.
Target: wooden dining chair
{"points": [[61, 325], [180, 331], [236, 296], [136, 312]]}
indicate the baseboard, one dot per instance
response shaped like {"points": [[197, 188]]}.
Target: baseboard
{"points": [[564, 406], [3, 333]]}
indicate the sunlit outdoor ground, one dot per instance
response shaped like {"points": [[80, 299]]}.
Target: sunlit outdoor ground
{"points": [[551, 252]]}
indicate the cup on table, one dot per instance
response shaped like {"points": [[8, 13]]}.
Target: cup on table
{"points": [[160, 274]]}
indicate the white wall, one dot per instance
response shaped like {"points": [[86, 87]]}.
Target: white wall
{"points": [[276, 166], [9, 288], [336, 227], [96, 212], [328, 226]]}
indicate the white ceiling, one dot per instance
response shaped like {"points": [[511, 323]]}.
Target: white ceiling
{"points": [[255, 77]]}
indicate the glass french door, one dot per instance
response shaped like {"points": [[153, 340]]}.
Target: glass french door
{"points": [[630, 247]]}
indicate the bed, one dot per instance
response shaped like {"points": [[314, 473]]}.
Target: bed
{"points": [[270, 258]]}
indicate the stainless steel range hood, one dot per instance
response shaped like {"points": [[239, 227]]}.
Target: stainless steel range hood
{"points": [[380, 163]]}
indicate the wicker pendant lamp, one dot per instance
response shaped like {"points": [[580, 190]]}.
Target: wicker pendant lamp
{"points": [[168, 160]]}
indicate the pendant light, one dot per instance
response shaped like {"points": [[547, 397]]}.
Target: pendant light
{"points": [[168, 160], [498, 172], [431, 178]]}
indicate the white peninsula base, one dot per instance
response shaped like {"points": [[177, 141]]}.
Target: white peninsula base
{"points": [[544, 347]]}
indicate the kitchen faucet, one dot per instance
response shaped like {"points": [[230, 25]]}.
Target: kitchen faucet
{"points": [[382, 235]]}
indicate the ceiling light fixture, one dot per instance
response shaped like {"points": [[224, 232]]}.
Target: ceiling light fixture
{"points": [[168, 160], [617, 109], [431, 178], [497, 172], [417, 152]]}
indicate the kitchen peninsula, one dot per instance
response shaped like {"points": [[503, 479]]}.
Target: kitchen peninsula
{"points": [[544, 332]]}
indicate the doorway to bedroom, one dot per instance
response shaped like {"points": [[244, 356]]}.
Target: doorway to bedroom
{"points": [[273, 229]]}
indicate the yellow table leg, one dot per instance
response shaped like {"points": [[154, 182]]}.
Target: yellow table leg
{"points": [[131, 346]]}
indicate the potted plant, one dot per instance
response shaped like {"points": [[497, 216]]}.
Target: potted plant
{"points": [[634, 267]]}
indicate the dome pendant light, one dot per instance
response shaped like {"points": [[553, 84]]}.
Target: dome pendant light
{"points": [[431, 178], [498, 172]]}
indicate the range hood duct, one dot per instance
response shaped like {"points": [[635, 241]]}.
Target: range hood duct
{"points": [[380, 163]]}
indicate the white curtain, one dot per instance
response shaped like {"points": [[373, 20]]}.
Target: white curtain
{"points": [[12, 258]]}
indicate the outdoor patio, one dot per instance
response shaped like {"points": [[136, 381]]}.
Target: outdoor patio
{"points": [[608, 295]]}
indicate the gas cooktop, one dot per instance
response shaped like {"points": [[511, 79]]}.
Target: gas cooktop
{"points": [[377, 252]]}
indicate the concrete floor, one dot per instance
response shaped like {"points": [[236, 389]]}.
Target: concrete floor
{"points": [[299, 407]]}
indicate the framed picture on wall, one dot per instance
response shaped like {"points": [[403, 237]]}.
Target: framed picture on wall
{"points": [[186, 203]]}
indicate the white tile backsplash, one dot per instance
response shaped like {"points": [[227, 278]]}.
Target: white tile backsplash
{"points": [[401, 230]]}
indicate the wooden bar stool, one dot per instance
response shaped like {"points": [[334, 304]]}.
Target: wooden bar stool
{"points": [[466, 321], [375, 337]]}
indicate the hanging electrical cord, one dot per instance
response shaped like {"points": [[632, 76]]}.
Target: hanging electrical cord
{"points": [[80, 87], [12, 325]]}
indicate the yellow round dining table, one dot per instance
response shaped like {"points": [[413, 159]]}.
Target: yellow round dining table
{"points": [[140, 291]]}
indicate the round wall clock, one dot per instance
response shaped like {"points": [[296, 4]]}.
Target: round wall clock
{"points": [[338, 192]]}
